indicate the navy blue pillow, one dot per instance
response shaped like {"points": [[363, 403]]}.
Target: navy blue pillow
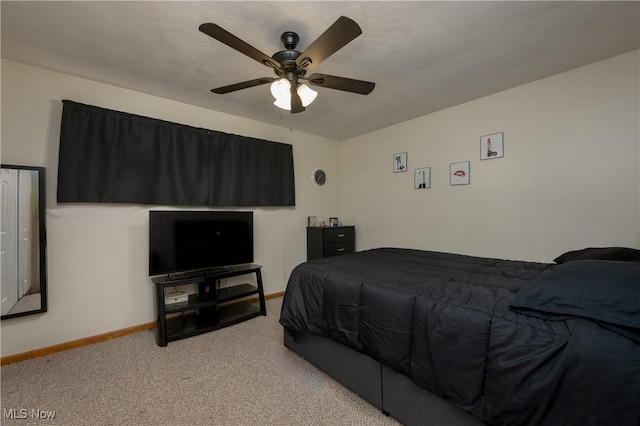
{"points": [[600, 253], [600, 290]]}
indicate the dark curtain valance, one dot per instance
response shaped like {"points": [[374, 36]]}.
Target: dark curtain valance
{"points": [[109, 156]]}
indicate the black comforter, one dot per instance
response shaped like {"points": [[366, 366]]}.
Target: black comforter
{"points": [[445, 321]]}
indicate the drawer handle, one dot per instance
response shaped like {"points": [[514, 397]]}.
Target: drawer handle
{"points": [[340, 235], [340, 249]]}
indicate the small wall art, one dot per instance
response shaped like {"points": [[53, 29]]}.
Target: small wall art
{"points": [[422, 178], [459, 173], [400, 162], [491, 146]]}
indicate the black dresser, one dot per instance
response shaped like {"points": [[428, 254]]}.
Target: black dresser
{"points": [[330, 241]]}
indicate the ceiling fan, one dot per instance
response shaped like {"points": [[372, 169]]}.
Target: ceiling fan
{"points": [[291, 66]]}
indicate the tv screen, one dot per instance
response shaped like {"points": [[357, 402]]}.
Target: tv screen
{"points": [[181, 241]]}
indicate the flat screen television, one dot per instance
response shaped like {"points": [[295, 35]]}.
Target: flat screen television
{"points": [[196, 241]]}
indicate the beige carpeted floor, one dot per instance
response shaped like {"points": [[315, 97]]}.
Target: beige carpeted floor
{"points": [[240, 375]]}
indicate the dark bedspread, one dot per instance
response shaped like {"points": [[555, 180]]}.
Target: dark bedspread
{"points": [[444, 320]]}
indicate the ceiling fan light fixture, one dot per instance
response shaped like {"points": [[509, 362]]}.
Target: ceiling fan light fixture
{"points": [[280, 88], [281, 91], [307, 94], [283, 103]]}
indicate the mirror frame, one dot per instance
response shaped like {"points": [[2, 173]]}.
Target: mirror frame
{"points": [[42, 240]]}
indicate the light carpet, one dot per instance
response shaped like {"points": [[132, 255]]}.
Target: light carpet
{"points": [[239, 375]]}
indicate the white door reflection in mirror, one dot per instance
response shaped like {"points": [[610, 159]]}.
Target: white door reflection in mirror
{"points": [[9, 239], [21, 251]]}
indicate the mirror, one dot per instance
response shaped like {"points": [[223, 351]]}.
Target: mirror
{"points": [[23, 238]]}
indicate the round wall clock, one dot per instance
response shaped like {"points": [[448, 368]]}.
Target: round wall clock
{"points": [[319, 177]]}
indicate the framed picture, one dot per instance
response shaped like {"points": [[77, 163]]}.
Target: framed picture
{"points": [[312, 221], [422, 178], [400, 162], [459, 173], [492, 146], [333, 221]]}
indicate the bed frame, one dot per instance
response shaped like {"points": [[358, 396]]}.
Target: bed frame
{"points": [[392, 392]]}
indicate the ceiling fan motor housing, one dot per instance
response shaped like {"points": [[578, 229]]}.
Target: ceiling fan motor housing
{"points": [[290, 40], [287, 58]]}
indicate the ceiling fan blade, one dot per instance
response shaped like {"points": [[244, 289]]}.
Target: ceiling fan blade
{"points": [[243, 85], [333, 39], [341, 83], [296, 102], [234, 42]]}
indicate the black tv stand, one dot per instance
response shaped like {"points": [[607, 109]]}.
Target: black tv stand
{"points": [[209, 309], [198, 273]]}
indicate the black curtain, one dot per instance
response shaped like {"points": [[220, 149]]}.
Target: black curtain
{"points": [[109, 156]]}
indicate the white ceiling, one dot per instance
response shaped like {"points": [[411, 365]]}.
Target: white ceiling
{"points": [[423, 56]]}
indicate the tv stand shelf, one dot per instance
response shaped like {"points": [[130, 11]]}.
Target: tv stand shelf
{"points": [[211, 308]]}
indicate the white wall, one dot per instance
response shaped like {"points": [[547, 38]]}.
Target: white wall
{"points": [[97, 254], [569, 177]]}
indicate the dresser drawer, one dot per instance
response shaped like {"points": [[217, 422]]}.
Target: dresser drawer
{"points": [[336, 235], [330, 241], [335, 249]]}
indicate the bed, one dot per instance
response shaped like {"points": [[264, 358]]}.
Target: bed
{"points": [[442, 338]]}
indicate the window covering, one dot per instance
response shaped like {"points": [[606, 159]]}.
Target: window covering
{"points": [[109, 156]]}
